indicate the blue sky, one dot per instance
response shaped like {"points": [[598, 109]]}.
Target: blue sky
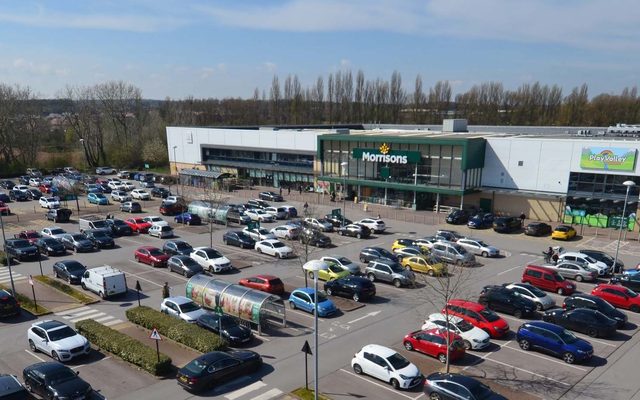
{"points": [[227, 48]]}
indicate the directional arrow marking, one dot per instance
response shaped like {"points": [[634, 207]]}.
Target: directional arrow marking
{"points": [[371, 314]]}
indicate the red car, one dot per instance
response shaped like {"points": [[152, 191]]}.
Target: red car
{"points": [[4, 209], [172, 209], [45, 188], [265, 283], [151, 255], [31, 236], [618, 296], [479, 316], [433, 342], [138, 224]]}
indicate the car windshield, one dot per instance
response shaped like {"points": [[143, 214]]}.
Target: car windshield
{"points": [[155, 252], [196, 366], [344, 260], [61, 333], [74, 266], [100, 234], [630, 293], [190, 263], [227, 322], [188, 307], [395, 267], [489, 315], [79, 236], [119, 222], [277, 245], [211, 253], [21, 243], [60, 376], [464, 326], [321, 297], [481, 392], [568, 337], [263, 231], [183, 245], [397, 361], [536, 292], [481, 243], [386, 253], [50, 242], [57, 231]]}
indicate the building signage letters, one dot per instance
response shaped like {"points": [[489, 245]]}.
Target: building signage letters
{"points": [[608, 158], [384, 154]]}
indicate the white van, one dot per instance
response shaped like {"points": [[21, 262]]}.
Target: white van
{"points": [[105, 281]]}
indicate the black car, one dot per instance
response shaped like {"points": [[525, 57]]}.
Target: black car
{"points": [[217, 367], [629, 281], [457, 217], [537, 229], [104, 187], [53, 380], [481, 221], [184, 265], [354, 230], [21, 249], [77, 242], [9, 307], [458, 387], [18, 195], [119, 227], [5, 198], [605, 258], [582, 300], [354, 287], [500, 298], [314, 238], [69, 270], [239, 239], [177, 247], [34, 194], [227, 327], [24, 179], [7, 184], [50, 246], [160, 192], [12, 389], [585, 320], [59, 214], [507, 224], [271, 196], [337, 220], [100, 238], [374, 253]]}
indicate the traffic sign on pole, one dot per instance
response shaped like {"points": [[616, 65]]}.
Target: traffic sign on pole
{"points": [[155, 335], [306, 349]]}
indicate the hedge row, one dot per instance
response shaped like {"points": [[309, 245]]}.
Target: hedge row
{"points": [[64, 288], [26, 303], [190, 335], [125, 347]]}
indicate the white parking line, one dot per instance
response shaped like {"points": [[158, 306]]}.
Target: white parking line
{"points": [[131, 240], [84, 365], [508, 270], [527, 371], [268, 395], [146, 280], [379, 385], [484, 357], [36, 356], [247, 389]]}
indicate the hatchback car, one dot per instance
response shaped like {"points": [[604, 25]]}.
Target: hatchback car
{"points": [[372, 253], [265, 283], [401, 243], [480, 221], [57, 339], [319, 224], [274, 248], [441, 386], [583, 300], [427, 265], [161, 231], [183, 308], [288, 232], [473, 338], [140, 194], [606, 259], [314, 237], [78, 242], [211, 259], [52, 380], [507, 224], [375, 225], [69, 270], [618, 296], [177, 247], [304, 299], [9, 306], [563, 232], [239, 239], [555, 340], [342, 262], [49, 202], [188, 219], [354, 287], [537, 229], [138, 225], [478, 315], [184, 265], [629, 281], [585, 320], [151, 255], [387, 365], [130, 207], [226, 327], [354, 230], [478, 247], [97, 198], [541, 299], [585, 260], [501, 298], [329, 273], [433, 342], [101, 238]]}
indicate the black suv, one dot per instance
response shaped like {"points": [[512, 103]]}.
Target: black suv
{"points": [[337, 220], [101, 238], [500, 298], [18, 195], [507, 224], [458, 217], [59, 214], [354, 287], [53, 380], [177, 248], [537, 229], [581, 300], [21, 249], [314, 238], [9, 307], [605, 258], [119, 227]]}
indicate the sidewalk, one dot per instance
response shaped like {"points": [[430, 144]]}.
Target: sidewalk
{"points": [[46, 296]]}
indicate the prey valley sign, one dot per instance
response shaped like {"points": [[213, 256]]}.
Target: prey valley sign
{"points": [[384, 154]]}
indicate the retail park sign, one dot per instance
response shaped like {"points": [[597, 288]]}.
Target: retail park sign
{"points": [[384, 154], [608, 158]]}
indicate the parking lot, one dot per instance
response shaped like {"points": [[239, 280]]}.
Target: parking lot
{"points": [[385, 320]]}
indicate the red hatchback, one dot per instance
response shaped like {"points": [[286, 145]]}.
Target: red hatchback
{"points": [[138, 225], [478, 316], [152, 256], [265, 283], [619, 296], [433, 342], [31, 236]]}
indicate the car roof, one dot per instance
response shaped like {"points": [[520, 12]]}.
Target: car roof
{"points": [[382, 351], [305, 290], [46, 367], [546, 325], [609, 286], [463, 380], [264, 276], [441, 317], [49, 324], [179, 299], [466, 304], [270, 241], [148, 248]]}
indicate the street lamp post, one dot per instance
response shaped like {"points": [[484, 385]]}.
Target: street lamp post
{"points": [[315, 266], [629, 185], [344, 189]]}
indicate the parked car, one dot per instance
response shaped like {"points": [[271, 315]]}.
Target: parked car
{"points": [[387, 365], [448, 235], [553, 339], [49, 202], [259, 204], [151, 255], [584, 320], [57, 339], [50, 247], [35, 182], [408, 252], [457, 387], [292, 212], [574, 270], [258, 234], [477, 315], [239, 239], [9, 306], [304, 299], [575, 257], [21, 250], [69, 270], [313, 237], [354, 230], [618, 296], [140, 194], [177, 247], [338, 220], [131, 207], [216, 368], [427, 265], [265, 283], [547, 279], [5, 198], [480, 221], [211, 260], [30, 235], [105, 170], [52, 380], [353, 287], [138, 224], [173, 208], [288, 232], [375, 225], [453, 253], [160, 192], [629, 281], [119, 227], [100, 238], [161, 231], [53, 232], [433, 342], [7, 184], [226, 327], [59, 215], [270, 196], [46, 188], [18, 195], [583, 300], [563, 232], [501, 298], [120, 196], [473, 338], [425, 243], [77, 242], [277, 212], [507, 224], [259, 215], [342, 262], [188, 218], [457, 217], [605, 258], [390, 272], [478, 247], [372, 253], [537, 229], [184, 265], [329, 273], [542, 300], [182, 308], [275, 248], [319, 224]]}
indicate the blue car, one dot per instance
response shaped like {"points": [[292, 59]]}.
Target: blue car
{"points": [[555, 340], [97, 198], [481, 221], [631, 272], [188, 218], [303, 299]]}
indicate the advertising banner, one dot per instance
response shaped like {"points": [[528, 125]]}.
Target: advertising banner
{"points": [[608, 158]]}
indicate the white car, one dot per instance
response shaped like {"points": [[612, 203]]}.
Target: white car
{"points": [[182, 307], [585, 260], [274, 248], [155, 220], [128, 185], [21, 188], [115, 184], [342, 262], [123, 174], [49, 202], [57, 339], [35, 182], [172, 199], [478, 247], [105, 170], [160, 231], [277, 212], [289, 232], [473, 337], [376, 225], [258, 234], [259, 215], [140, 194], [389, 366], [211, 259], [543, 300], [120, 196], [54, 232]]}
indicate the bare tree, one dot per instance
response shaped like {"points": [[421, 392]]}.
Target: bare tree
{"points": [[359, 97], [419, 101], [275, 97], [397, 96]]}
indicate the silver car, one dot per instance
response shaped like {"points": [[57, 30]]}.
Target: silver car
{"points": [[575, 270], [453, 253], [542, 300], [478, 247], [390, 272]]}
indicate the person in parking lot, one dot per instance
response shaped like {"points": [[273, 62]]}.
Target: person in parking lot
{"points": [[522, 218], [548, 255], [166, 290]]}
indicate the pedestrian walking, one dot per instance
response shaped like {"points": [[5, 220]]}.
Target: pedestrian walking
{"points": [[288, 190], [280, 190], [306, 207], [522, 218], [300, 189], [166, 290]]}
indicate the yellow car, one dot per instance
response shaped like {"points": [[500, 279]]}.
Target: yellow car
{"points": [[563, 232], [401, 243], [331, 273], [422, 264]]}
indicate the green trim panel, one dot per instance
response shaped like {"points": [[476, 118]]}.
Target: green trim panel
{"points": [[398, 186]]}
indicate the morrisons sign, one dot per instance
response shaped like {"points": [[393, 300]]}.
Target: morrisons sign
{"points": [[384, 154]]}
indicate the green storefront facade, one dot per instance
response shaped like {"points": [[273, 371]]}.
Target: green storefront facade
{"points": [[407, 170]]}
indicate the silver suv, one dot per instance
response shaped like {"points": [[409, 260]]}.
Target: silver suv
{"points": [[388, 271], [453, 253]]}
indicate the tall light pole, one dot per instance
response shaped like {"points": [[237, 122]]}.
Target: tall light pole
{"points": [[629, 185], [344, 171], [175, 166], [315, 266]]}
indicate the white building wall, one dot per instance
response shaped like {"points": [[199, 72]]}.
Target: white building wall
{"points": [[545, 162]]}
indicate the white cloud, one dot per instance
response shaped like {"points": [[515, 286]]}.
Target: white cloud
{"points": [[270, 66], [206, 72]]}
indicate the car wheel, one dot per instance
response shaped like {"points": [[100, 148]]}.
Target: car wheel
{"points": [[517, 314], [442, 358], [32, 346], [28, 386], [431, 273], [408, 346], [69, 279], [524, 344], [371, 277], [560, 291], [363, 260], [340, 233], [55, 356], [185, 274], [357, 369], [102, 296], [292, 305], [153, 264], [310, 274], [137, 259], [397, 283], [259, 250], [434, 396], [467, 345], [329, 291], [211, 270], [635, 308], [83, 286], [395, 384], [539, 306], [358, 236], [56, 274], [569, 358], [592, 332]]}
